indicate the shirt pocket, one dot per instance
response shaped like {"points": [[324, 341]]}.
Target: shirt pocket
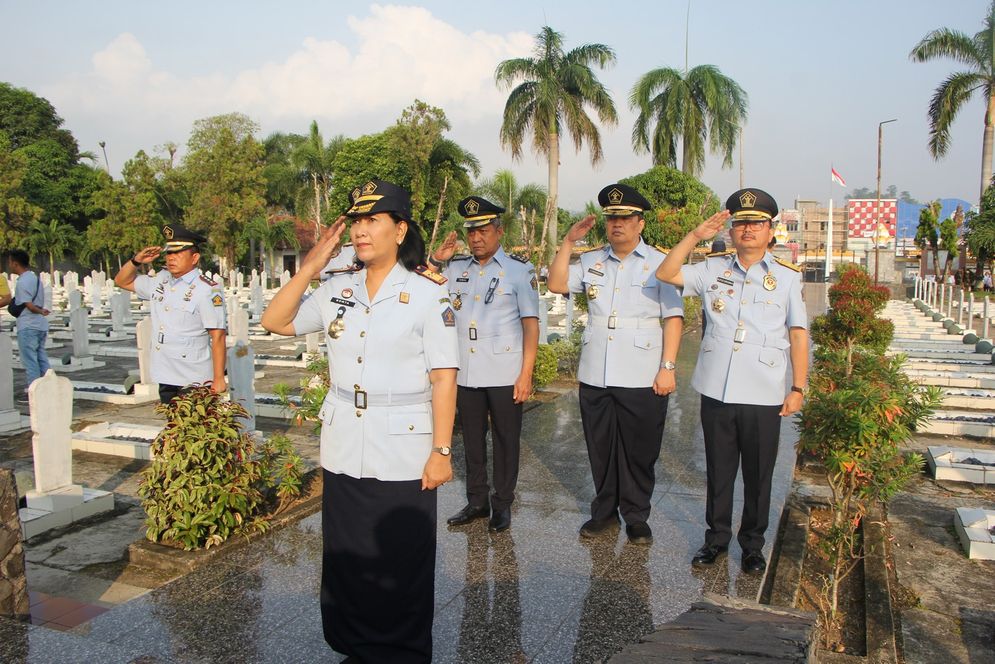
{"points": [[772, 357], [507, 343], [649, 340], [326, 412], [409, 422], [771, 303]]}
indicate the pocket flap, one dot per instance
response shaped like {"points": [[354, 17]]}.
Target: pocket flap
{"points": [[772, 357], [325, 413], [506, 344], [412, 422], [647, 340]]}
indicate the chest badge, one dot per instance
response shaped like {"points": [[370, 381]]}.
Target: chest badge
{"points": [[770, 282], [458, 301], [592, 292], [404, 298], [347, 292], [337, 326], [718, 305]]}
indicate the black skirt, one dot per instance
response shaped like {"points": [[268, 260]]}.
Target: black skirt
{"points": [[378, 568]]}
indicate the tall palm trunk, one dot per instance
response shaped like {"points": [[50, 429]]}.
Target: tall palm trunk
{"points": [[687, 166], [438, 210], [317, 207], [986, 149], [549, 230]]}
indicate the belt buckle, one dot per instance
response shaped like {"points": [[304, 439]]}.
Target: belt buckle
{"points": [[359, 399], [473, 334], [740, 335], [612, 321]]}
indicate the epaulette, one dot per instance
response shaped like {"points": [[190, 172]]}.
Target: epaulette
{"points": [[790, 266], [716, 254], [520, 259], [662, 250], [342, 270], [587, 249], [207, 280], [461, 257], [431, 276]]}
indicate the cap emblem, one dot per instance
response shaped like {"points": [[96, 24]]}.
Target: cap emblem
{"points": [[747, 199], [167, 232], [615, 196], [369, 188], [472, 207]]}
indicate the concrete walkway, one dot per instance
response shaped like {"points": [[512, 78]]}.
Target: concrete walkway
{"points": [[535, 593]]}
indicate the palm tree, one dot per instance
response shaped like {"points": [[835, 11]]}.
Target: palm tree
{"points": [[52, 239], [694, 106], [272, 233], [978, 53], [557, 88], [520, 203], [451, 163], [316, 162]]}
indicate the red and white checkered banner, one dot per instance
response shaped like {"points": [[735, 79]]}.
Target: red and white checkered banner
{"points": [[862, 216]]}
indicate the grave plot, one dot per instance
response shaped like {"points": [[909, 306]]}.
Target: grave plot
{"points": [[124, 439], [960, 464], [976, 530], [269, 405]]}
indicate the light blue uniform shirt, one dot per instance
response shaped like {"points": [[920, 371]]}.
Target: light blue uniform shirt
{"points": [[381, 357], [345, 258], [29, 289], [183, 310], [490, 302], [744, 356], [622, 344]]}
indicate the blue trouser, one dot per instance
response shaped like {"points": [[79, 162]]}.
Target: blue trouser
{"points": [[32, 346]]}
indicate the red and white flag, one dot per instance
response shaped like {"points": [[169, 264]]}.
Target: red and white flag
{"points": [[837, 178]]}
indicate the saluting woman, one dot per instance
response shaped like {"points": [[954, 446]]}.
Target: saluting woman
{"points": [[386, 424]]}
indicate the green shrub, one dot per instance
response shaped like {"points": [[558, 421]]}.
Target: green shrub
{"points": [[206, 481], [313, 390], [545, 367]]}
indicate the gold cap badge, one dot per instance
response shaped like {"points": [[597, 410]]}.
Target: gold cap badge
{"points": [[747, 199], [369, 188], [472, 207], [167, 232], [615, 196]]}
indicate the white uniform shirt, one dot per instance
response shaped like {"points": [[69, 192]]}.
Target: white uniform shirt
{"points": [[183, 310], [744, 355], [382, 357], [622, 344], [490, 302]]}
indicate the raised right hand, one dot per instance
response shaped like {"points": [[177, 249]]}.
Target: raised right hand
{"points": [[446, 249], [321, 252], [711, 227], [580, 229], [148, 254]]}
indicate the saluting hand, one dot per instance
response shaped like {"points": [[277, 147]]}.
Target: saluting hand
{"points": [[712, 226], [321, 252], [580, 229], [447, 249], [148, 254]]}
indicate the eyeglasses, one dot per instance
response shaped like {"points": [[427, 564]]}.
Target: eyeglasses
{"points": [[752, 225]]}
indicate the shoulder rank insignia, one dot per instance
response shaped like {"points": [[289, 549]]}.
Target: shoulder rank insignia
{"points": [[662, 250], [790, 266], [716, 254], [520, 259], [206, 280], [431, 276], [584, 250], [217, 300], [342, 270]]}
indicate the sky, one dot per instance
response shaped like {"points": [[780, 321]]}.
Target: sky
{"points": [[820, 77]]}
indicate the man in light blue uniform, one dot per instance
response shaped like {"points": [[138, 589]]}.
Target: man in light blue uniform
{"points": [[627, 360], [188, 315], [756, 322], [32, 324], [496, 300]]}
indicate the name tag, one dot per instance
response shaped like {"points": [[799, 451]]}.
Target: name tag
{"points": [[723, 280], [597, 272], [347, 303], [463, 279]]}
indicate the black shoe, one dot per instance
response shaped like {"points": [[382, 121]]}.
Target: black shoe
{"points": [[707, 555], [639, 533], [500, 520], [595, 527], [753, 562], [468, 514]]}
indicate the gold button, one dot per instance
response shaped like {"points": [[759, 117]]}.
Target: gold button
{"points": [[614, 313], [621, 267], [610, 337], [768, 301], [735, 347], [157, 348], [473, 323], [742, 301], [740, 323], [476, 297], [473, 350], [359, 360], [367, 310], [411, 427], [747, 282], [359, 413], [507, 348], [363, 333], [355, 387], [616, 290], [167, 307], [172, 289], [481, 273]]}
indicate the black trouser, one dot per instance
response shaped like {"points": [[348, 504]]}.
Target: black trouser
{"points": [[733, 433], [475, 404], [623, 427], [169, 392]]}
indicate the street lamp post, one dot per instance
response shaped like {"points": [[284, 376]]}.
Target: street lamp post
{"points": [[877, 209]]}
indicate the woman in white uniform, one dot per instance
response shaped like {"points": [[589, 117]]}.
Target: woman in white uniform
{"points": [[386, 424]]}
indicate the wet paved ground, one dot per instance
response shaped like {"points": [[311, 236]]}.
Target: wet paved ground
{"points": [[535, 593]]}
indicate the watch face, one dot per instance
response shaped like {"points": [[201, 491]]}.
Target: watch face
{"points": [[444, 451]]}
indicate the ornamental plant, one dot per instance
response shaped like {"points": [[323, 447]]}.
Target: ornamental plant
{"points": [[861, 408], [208, 481]]}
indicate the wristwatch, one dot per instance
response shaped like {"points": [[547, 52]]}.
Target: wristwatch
{"points": [[438, 264], [135, 263], [445, 450], [799, 390], [668, 365]]}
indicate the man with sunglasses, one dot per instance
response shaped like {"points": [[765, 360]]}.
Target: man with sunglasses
{"points": [[496, 299], [188, 314], [756, 324], [627, 359]]}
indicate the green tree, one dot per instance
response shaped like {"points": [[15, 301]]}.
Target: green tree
{"points": [[928, 232], [283, 179], [414, 137], [27, 118], [980, 234], [16, 211], [694, 107], [948, 242], [521, 204], [224, 171], [272, 233], [680, 202], [556, 91], [450, 167], [361, 159], [977, 53], [315, 161], [51, 238]]}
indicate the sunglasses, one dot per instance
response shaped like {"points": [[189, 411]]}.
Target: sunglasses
{"points": [[752, 225]]}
